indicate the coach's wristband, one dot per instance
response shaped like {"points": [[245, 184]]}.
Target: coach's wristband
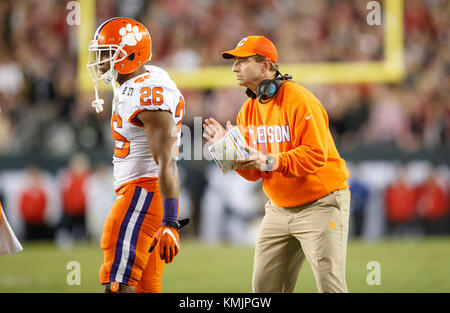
{"points": [[170, 210]]}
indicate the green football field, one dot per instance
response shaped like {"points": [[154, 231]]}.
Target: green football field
{"points": [[404, 266]]}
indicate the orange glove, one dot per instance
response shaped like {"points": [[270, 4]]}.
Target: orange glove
{"points": [[169, 245], [170, 240]]}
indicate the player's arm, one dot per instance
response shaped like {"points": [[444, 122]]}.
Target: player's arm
{"points": [[159, 129]]}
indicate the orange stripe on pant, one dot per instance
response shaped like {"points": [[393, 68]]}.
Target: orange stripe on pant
{"points": [[133, 221]]}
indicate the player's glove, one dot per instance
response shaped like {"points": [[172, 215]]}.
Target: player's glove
{"points": [[169, 245], [170, 240]]}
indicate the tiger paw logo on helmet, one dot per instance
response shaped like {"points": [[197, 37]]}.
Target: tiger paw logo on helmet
{"points": [[120, 37], [130, 35]]}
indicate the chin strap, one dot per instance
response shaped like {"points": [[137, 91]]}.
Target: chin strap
{"points": [[97, 103], [108, 78]]}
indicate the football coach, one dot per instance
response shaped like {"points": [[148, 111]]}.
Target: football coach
{"points": [[291, 149]]}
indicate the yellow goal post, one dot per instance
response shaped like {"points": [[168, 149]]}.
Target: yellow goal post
{"points": [[390, 69]]}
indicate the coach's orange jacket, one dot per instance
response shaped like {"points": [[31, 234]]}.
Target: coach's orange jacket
{"points": [[293, 128]]}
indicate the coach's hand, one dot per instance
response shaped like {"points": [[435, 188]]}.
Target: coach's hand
{"points": [[255, 160], [169, 243], [213, 130]]}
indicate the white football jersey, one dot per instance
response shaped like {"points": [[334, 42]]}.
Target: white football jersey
{"points": [[151, 91]]}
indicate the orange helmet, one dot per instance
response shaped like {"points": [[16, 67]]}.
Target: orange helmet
{"points": [[123, 42]]}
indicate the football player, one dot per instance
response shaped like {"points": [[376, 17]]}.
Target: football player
{"points": [[147, 112]]}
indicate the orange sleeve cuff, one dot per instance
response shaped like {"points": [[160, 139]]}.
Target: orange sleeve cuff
{"points": [[135, 114]]}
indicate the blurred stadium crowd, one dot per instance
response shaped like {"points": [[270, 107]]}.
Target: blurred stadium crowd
{"points": [[42, 111], [389, 199]]}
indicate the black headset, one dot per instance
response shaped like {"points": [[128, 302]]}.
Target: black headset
{"points": [[269, 88]]}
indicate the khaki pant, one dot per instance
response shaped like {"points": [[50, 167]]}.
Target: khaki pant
{"points": [[317, 231]]}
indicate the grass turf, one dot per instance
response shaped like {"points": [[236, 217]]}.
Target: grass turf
{"points": [[405, 266]]}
